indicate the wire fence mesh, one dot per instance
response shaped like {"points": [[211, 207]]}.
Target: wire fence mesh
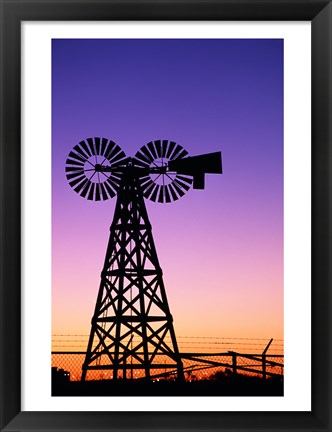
{"points": [[196, 366]]}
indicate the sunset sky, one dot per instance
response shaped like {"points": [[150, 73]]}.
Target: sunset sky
{"points": [[221, 249]]}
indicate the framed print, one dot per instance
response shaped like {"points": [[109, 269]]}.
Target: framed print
{"points": [[165, 248]]}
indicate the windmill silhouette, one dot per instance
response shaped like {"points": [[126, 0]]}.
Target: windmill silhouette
{"points": [[132, 326]]}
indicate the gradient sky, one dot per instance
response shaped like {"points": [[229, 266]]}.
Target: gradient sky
{"points": [[221, 249]]}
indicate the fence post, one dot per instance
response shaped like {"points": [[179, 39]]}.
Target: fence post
{"points": [[264, 366], [264, 359], [234, 364]]}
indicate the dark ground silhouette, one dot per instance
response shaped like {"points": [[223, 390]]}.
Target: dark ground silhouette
{"points": [[224, 386]]}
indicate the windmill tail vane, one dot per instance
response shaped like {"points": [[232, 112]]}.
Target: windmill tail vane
{"points": [[132, 327]]}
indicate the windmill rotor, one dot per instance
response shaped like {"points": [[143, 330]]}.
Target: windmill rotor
{"points": [[159, 184], [88, 168], [95, 168]]}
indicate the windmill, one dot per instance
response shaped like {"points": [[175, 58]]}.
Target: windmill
{"points": [[132, 327]]}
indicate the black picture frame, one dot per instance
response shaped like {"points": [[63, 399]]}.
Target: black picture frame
{"points": [[12, 13]]}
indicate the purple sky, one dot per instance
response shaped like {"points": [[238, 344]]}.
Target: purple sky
{"points": [[221, 249]]}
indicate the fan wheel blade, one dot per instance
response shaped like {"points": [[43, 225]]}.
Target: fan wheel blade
{"points": [[161, 197], [147, 191], [116, 177], [181, 154], [181, 184], [147, 154], [91, 146], [172, 191], [158, 148], [109, 189], [78, 149], [167, 195], [73, 169], [117, 157], [97, 145], [176, 151], [147, 183], [97, 196], [138, 163], [170, 149], [79, 188], [114, 182], [77, 180], [153, 192], [76, 157], [103, 146], [139, 155], [91, 192], [74, 175], [178, 189], [152, 149], [164, 145], [103, 191], [86, 148], [144, 180], [85, 189], [112, 150], [72, 162], [188, 180], [120, 163]]}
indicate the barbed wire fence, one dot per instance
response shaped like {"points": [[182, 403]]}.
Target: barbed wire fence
{"points": [[203, 357]]}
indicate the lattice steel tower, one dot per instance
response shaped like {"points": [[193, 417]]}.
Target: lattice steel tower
{"points": [[132, 327]]}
